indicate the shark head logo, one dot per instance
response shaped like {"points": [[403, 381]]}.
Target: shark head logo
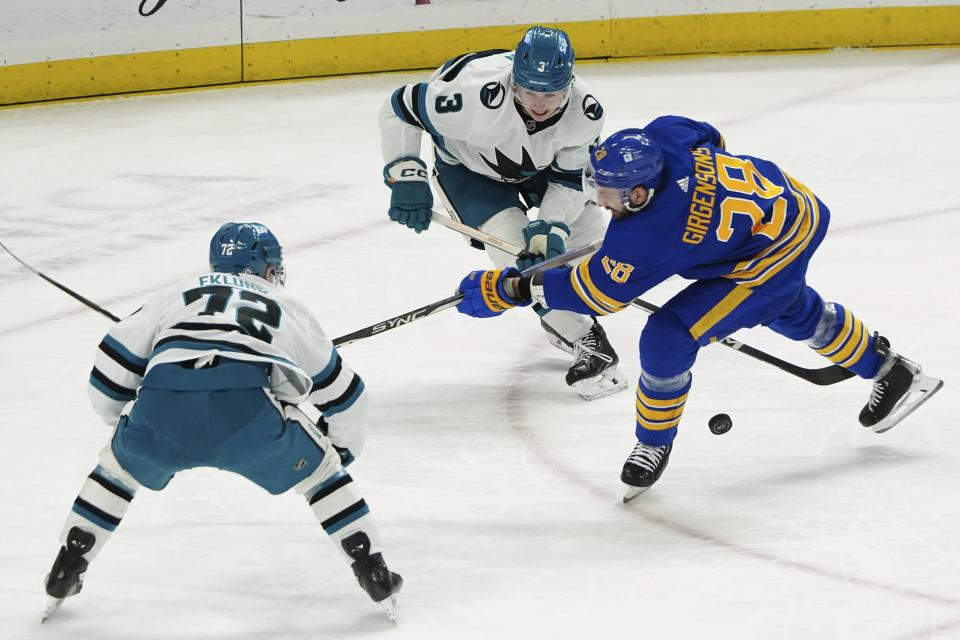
{"points": [[592, 108], [492, 95]]}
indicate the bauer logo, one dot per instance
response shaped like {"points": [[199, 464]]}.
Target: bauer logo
{"points": [[592, 108], [301, 463], [492, 95]]}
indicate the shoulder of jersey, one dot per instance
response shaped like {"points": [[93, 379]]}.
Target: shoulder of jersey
{"points": [[480, 76], [584, 102]]}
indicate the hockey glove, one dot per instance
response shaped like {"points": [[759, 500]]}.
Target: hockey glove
{"points": [[484, 296], [410, 195], [542, 240], [346, 456]]}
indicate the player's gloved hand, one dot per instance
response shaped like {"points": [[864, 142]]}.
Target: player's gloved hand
{"points": [[410, 195], [542, 240], [484, 295], [346, 456]]}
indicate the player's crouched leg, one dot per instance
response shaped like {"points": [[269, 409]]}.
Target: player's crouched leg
{"points": [[336, 502], [96, 513], [899, 384], [667, 352]]}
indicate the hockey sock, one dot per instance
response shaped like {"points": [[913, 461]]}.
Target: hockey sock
{"points": [[100, 506], [845, 340], [660, 403], [341, 510]]}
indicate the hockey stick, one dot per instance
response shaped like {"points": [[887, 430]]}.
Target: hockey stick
{"points": [[454, 300], [823, 376], [67, 290], [374, 329]]}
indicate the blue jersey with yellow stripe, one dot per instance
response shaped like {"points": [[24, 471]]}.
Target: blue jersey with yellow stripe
{"points": [[714, 214]]}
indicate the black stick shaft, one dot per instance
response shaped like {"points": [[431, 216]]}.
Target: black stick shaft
{"points": [[67, 290], [397, 321], [452, 301], [74, 294], [823, 376]]}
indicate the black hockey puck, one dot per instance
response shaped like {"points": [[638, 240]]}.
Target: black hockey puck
{"points": [[720, 424]]}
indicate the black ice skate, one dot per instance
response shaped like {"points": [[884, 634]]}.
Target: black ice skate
{"points": [[594, 373], [66, 577], [898, 390], [381, 584], [643, 467]]}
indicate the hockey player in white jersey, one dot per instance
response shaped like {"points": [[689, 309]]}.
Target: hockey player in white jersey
{"points": [[511, 131], [210, 373]]}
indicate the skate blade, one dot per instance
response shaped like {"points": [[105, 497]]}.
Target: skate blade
{"points": [[391, 606], [632, 492], [925, 386], [606, 384], [52, 605]]}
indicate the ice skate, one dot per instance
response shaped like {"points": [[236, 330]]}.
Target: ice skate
{"points": [[381, 584], [898, 390], [595, 373], [66, 576], [643, 468]]}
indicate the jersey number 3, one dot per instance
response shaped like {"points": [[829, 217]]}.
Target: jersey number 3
{"points": [[448, 104], [248, 315]]}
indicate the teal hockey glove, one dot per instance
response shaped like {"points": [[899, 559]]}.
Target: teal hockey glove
{"points": [[484, 296], [410, 195], [346, 456], [542, 240]]}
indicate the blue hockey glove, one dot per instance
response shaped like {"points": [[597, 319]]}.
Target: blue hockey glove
{"points": [[410, 196], [542, 240], [483, 294]]}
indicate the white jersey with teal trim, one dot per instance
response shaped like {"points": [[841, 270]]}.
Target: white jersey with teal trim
{"points": [[468, 108], [239, 317]]}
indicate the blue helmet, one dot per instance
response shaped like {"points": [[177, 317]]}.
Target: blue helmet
{"points": [[626, 159], [246, 247], [543, 60]]}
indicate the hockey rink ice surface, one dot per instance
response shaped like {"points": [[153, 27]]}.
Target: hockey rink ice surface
{"points": [[495, 487]]}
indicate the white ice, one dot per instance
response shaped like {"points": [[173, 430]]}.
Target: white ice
{"points": [[495, 487]]}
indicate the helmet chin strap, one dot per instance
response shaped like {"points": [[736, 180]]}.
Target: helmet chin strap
{"points": [[650, 193]]}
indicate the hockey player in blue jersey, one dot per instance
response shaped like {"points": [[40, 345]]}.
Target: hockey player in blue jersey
{"points": [[211, 372], [511, 131], [745, 231]]}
